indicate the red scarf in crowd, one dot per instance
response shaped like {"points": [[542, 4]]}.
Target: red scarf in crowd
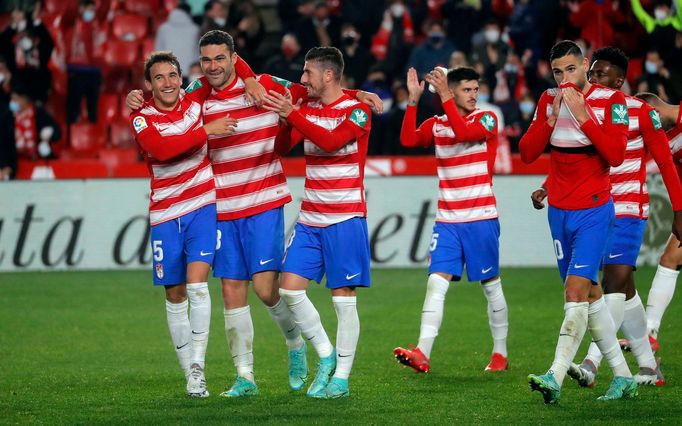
{"points": [[25, 133], [382, 37]]}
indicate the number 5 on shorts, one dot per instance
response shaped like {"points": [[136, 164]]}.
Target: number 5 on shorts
{"points": [[434, 241], [158, 250]]}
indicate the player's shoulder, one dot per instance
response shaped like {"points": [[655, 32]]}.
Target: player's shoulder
{"points": [[486, 117], [603, 92], [268, 80], [356, 111]]}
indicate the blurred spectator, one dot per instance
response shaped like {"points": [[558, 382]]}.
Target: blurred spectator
{"points": [[523, 28], [83, 42], [377, 82], [656, 77], [663, 15], [463, 18], [215, 16], [356, 57], [457, 59], [393, 41], [484, 102], [5, 82], [179, 34], [288, 64], [434, 51], [365, 15], [194, 71], [292, 11], [27, 46], [34, 128], [390, 144], [596, 20], [319, 29], [246, 28], [8, 149], [492, 53], [521, 122]]}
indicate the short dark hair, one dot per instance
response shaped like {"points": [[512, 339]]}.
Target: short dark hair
{"points": [[158, 57], [461, 74], [565, 48], [612, 55], [328, 58], [217, 37]]}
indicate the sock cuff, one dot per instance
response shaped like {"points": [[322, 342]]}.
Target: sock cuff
{"points": [[614, 296], [575, 305], [667, 271], [197, 286], [177, 308], [276, 306], [596, 306], [344, 300], [236, 311], [634, 302], [496, 281], [438, 281], [285, 292]]}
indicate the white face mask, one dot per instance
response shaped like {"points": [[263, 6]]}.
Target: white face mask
{"points": [[397, 10], [650, 67], [26, 43], [21, 25], [220, 21], [402, 105], [88, 15], [491, 36], [660, 14]]}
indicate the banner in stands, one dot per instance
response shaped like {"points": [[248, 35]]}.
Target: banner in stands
{"points": [[102, 224]]}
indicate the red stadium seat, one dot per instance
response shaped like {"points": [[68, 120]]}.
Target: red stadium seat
{"points": [[115, 157], [129, 27], [108, 108], [147, 47], [143, 7], [120, 53], [86, 140], [122, 134], [169, 5]]}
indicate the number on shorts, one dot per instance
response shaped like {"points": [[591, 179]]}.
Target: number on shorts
{"points": [[218, 242], [158, 250], [434, 241], [558, 250]]}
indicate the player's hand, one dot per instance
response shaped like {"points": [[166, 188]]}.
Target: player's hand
{"points": [[556, 106], [371, 99], [255, 92], [677, 226], [439, 81], [223, 126], [276, 102], [537, 197], [134, 100], [575, 101], [414, 87]]}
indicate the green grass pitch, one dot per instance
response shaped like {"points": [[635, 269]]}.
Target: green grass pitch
{"points": [[93, 348]]}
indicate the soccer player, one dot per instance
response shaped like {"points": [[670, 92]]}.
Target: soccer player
{"points": [[586, 126], [663, 285], [467, 229], [182, 213], [331, 235], [631, 200]]}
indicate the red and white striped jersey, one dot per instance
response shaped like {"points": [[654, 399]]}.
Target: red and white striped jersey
{"points": [[465, 154], [628, 181], [248, 173], [675, 140], [335, 139], [174, 146]]}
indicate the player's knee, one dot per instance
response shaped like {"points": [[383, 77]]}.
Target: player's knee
{"points": [[671, 260]]}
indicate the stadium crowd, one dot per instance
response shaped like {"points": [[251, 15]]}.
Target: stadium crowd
{"points": [[65, 64]]}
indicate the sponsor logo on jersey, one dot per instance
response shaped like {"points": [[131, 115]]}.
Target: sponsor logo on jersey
{"points": [[619, 114], [159, 271], [139, 124], [283, 82], [359, 117], [655, 119], [488, 122], [193, 86]]}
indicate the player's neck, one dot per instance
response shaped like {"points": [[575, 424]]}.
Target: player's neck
{"points": [[587, 87], [165, 107], [331, 94], [227, 83]]}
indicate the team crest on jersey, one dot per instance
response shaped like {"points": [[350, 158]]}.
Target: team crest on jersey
{"points": [[283, 82], [359, 117], [193, 86], [159, 271], [139, 124], [488, 122], [655, 119], [619, 114]]}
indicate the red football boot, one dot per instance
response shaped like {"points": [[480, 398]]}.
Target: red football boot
{"points": [[412, 357], [497, 363]]}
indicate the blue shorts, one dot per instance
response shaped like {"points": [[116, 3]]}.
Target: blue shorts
{"points": [[179, 242], [580, 238], [341, 251], [250, 245], [625, 241], [476, 244]]}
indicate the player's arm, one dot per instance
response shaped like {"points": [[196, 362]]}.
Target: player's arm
{"points": [[287, 138], [354, 127], [255, 91], [298, 92], [536, 138], [611, 138], [410, 135]]}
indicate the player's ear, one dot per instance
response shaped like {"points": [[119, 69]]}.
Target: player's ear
{"points": [[148, 85], [586, 64]]}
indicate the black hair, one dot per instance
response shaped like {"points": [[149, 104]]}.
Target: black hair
{"points": [[461, 74], [612, 55], [565, 48], [158, 57], [328, 58], [217, 37]]}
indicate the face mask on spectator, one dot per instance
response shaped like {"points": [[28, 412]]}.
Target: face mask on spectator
{"points": [[193, 77], [650, 67], [14, 106], [288, 52], [483, 97], [88, 15], [660, 14], [220, 21], [2, 78], [402, 105], [26, 43], [21, 25], [491, 36], [511, 68], [435, 37], [527, 107], [397, 10]]}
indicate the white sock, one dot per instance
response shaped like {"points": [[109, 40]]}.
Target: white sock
{"points": [[603, 333], [308, 320], [660, 295], [432, 312], [570, 335], [282, 315], [347, 334], [615, 303], [199, 319], [497, 315], [634, 329], [180, 331], [239, 333]]}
